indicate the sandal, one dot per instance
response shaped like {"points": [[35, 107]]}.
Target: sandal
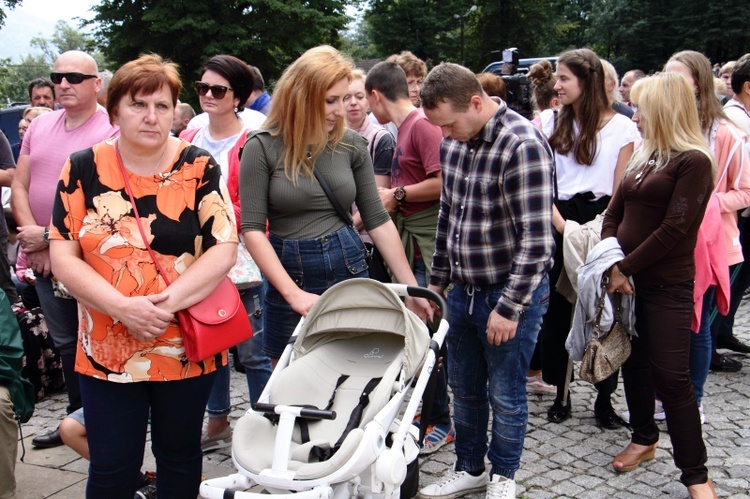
{"points": [[631, 458], [700, 492]]}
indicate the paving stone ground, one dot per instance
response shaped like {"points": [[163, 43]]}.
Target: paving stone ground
{"points": [[568, 460]]}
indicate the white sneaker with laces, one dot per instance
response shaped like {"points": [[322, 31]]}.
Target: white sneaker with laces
{"points": [[500, 487], [456, 484]]}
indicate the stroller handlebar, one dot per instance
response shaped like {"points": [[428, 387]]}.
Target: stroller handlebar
{"points": [[308, 412], [419, 292]]}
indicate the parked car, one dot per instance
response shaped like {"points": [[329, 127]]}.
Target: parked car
{"points": [[9, 118], [523, 65]]}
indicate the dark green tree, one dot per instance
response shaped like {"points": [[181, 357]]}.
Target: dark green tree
{"points": [[425, 27], [266, 33]]}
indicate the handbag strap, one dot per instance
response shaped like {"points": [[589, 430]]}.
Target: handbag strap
{"points": [[137, 216], [600, 305], [344, 214]]}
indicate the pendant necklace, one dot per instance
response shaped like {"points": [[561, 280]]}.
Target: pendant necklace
{"points": [[642, 174]]}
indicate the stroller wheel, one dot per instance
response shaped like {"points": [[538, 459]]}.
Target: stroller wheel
{"points": [[410, 487]]}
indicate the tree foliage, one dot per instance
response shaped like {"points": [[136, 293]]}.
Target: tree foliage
{"points": [[15, 76], [265, 33], [630, 33], [7, 4], [425, 27]]}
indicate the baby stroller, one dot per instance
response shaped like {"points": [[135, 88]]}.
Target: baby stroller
{"points": [[326, 426]]}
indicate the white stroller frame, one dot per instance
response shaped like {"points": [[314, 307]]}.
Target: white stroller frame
{"points": [[366, 464]]}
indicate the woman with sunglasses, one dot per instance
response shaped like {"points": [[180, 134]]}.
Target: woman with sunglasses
{"points": [[114, 201], [592, 146], [310, 246], [224, 87]]}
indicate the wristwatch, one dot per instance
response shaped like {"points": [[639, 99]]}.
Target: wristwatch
{"points": [[400, 194], [45, 235]]}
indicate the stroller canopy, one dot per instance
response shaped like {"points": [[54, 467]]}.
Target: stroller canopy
{"points": [[358, 307]]}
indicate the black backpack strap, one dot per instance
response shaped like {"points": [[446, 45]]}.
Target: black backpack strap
{"points": [[354, 419]]}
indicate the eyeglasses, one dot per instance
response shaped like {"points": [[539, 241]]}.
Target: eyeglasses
{"points": [[73, 78], [415, 83], [218, 91]]}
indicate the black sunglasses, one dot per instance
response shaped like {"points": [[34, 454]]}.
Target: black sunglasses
{"points": [[218, 91], [73, 78]]}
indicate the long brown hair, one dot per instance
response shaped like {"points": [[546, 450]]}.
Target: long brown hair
{"points": [[587, 67], [709, 107], [298, 111]]}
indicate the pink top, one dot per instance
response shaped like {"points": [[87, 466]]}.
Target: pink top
{"points": [[732, 187], [48, 145], [711, 267]]}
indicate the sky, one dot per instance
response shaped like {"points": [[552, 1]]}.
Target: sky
{"points": [[37, 18]]}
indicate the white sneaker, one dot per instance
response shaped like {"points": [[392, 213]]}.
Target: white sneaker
{"points": [[456, 484], [535, 384], [703, 416], [500, 487], [659, 414]]}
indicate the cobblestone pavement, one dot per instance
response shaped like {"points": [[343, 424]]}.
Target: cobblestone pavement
{"points": [[572, 459]]}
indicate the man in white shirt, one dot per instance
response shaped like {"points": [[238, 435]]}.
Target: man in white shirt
{"points": [[738, 107]]}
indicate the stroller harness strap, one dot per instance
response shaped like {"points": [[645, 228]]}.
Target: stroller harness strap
{"points": [[303, 428], [323, 454]]}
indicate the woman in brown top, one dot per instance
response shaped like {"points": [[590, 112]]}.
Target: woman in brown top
{"points": [[655, 215]]}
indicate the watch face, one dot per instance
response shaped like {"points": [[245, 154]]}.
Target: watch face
{"points": [[400, 194]]}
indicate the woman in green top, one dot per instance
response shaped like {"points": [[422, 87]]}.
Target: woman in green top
{"points": [[310, 247]]}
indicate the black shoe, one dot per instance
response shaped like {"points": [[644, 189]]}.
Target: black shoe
{"points": [[724, 363], [51, 439], [608, 419], [732, 343], [558, 412]]}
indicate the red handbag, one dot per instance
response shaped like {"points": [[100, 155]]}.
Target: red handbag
{"points": [[214, 324]]}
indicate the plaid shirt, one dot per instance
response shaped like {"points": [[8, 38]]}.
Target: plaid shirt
{"points": [[495, 223]]}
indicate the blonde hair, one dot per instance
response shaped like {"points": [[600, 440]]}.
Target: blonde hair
{"points": [[668, 119], [298, 111], [32, 112], [610, 75], [358, 74]]}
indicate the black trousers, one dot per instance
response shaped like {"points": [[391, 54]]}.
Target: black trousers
{"points": [[556, 324], [660, 361]]}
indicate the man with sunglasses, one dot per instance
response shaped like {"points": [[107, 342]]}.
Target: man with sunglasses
{"points": [[49, 140]]}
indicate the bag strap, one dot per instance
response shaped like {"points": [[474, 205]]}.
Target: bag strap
{"points": [[137, 216], [344, 214], [617, 302]]}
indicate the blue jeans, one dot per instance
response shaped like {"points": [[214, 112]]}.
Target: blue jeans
{"points": [[61, 315], [315, 265], [257, 365], [701, 346], [473, 362], [116, 422]]}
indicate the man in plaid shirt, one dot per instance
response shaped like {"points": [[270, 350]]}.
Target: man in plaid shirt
{"points": [[494, 244]]}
